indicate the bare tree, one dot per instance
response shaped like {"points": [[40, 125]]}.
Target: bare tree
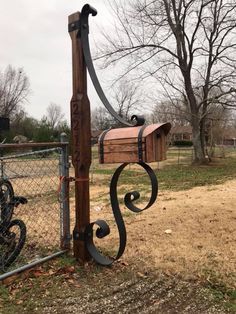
{"points": [[14, 89], [54, 115], [101, 119], [187, 46], [217, 123], [127, 98], [174, 111]]}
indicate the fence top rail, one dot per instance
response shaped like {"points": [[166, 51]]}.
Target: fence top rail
{"points": [[37, 152], [180, 148], [28, 145]]}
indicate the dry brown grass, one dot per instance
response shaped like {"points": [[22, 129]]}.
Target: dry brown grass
{"points": [[203, 232]]}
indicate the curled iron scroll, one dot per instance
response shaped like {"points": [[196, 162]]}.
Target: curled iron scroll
{"points": [[103, 229], [84, 31]]}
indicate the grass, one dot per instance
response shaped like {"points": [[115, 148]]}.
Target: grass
{"points": [[222, 293], [178, 177], [172, 177]]}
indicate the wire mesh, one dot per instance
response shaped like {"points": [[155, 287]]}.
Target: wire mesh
{"points": [[29, 199]]}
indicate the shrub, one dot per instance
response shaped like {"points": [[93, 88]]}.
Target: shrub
{"points": [[183, 143]]}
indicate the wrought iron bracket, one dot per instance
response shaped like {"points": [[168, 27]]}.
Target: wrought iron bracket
{"points": [[140, 143], [83, 34]]}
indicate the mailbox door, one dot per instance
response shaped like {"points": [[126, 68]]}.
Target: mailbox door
{"points": [[120, 150]]}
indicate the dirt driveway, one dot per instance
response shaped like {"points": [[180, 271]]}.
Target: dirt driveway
{"points": [[189, 232]]}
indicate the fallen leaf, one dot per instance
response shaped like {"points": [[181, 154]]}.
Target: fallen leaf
{"points": [[51, 272], [74, 283], [9, 280], [37, 273], [66, 270], [70, 269], [97, 208], [141, 275]]}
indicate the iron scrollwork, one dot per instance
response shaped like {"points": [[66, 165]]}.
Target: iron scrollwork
{"points": [[102, 227]]}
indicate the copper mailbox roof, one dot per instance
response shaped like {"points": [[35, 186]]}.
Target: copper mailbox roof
{"points": [[132, 132]]}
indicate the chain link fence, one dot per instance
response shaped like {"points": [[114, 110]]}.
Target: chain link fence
{"points": [[185, 155], [34, 200]]}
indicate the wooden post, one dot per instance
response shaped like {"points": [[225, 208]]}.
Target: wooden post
{"points": [[81, 139]]}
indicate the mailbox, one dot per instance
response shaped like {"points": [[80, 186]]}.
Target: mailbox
{"points": [[147, 143]]}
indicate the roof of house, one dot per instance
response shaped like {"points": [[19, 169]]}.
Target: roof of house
{"points": [[96, 133], [179, 129], [229, 133]]}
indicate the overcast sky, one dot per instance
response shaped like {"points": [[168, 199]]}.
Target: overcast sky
{"points": [[33, 35]]}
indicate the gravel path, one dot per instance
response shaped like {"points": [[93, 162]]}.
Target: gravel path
{"points": [[140, 295]]}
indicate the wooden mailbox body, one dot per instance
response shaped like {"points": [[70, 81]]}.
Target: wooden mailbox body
{"points": [[134, 144]]}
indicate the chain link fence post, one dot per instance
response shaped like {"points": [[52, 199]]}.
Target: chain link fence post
{"points": [[64, 194]]}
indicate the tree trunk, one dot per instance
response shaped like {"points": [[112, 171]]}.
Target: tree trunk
{"points": [[203, 136], [199, 152], [199, 149]]}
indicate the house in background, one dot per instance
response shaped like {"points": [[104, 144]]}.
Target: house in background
{"points": [[95, 135], [181, 133], [225, 136], [229, 137]]}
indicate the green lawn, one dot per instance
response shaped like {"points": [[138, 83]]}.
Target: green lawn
{"points": [[182, 177], [174, 176]]}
